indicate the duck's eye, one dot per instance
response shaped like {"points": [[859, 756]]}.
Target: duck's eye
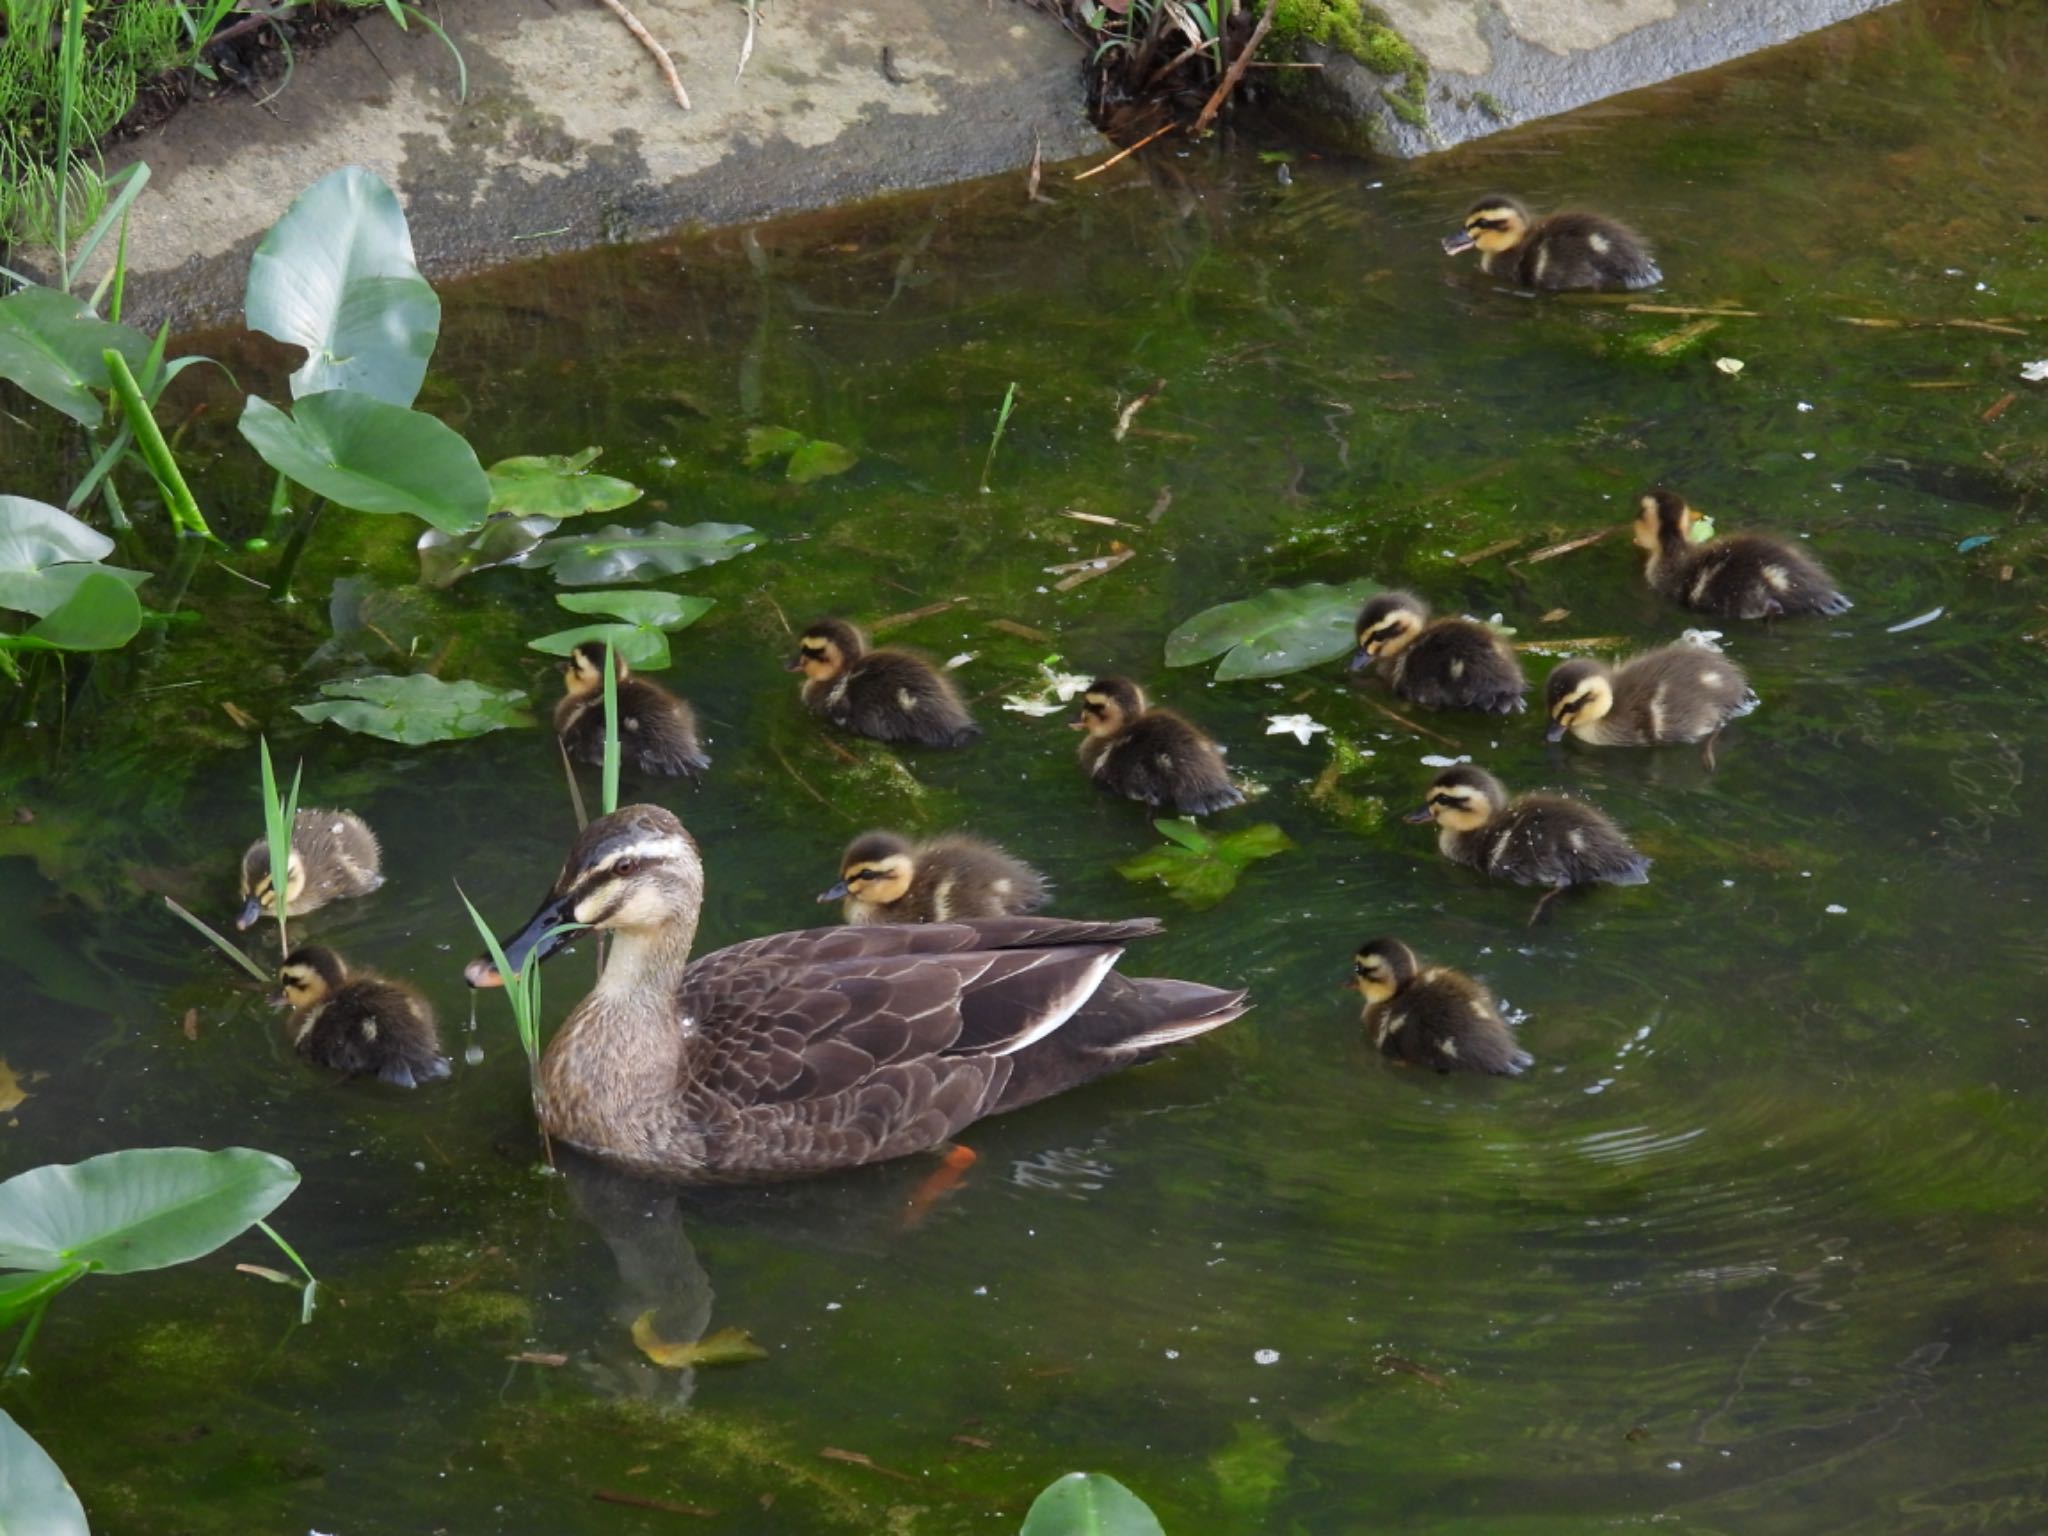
{"points": [[625, 869]]}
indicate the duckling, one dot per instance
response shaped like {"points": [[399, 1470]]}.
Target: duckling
{"points": [[657, 730], [334, 855], [1537, 839], [1675, 693], [886, 695], [1148, 754], [1449, 664], [1740, 576], [1564, 250], [1432, 1018], [358, 1023], [884, 878]]}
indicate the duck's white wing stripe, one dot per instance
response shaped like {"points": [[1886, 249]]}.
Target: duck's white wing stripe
{"points": [[1061, 1006]]}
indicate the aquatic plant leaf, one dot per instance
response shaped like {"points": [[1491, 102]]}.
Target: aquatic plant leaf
{"points": [[146, 1208], [655, 610], [1282, 630], [645, 650], [54, 347], [416, 709], [817, 459], [1251, 1472], [30, 1291], [641, 554], [34, 1497], [445, 558], [556, 485], [370, 456], [765, 443], [727, 1346], [11, 1092], [336, 276], [1089, 1504], [46, 553], [1200, 869], [101, 614]]}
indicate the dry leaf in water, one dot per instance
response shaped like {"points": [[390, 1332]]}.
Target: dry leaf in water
{"points": [[11, 1091], [727, 1346]]}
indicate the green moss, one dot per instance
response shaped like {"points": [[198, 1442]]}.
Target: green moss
{"points": [[1360, 813], [486, 1314], [1489, 103], [1364, 32]]}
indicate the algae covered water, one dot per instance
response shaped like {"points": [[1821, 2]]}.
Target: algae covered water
{"points": [[1757, 1246]]}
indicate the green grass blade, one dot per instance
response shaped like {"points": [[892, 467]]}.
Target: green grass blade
{"points": [[156, 453], [433, 26], [312, 1284], [1002, 421], [611, 731], [221, 943], [132, 180]]}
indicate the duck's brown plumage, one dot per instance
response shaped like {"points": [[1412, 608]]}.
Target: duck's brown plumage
{"points": [[1432, 1016], [1151, 755], [334, 856], [657, 729], [829, 1047], [886, 878], [1534, 839], [359, 1023], [1564, 251], [1446, 663], [884, 695], [1676, 693]]}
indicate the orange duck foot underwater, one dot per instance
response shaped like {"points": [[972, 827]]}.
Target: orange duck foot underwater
{"points": [[825, 1048]]}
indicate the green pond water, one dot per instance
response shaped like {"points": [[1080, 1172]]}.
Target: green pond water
{"points": [[1758, 1246]]}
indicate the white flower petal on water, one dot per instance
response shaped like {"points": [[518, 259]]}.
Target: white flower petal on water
{"points": [[2035, 373], [961, 660], [1026, 706], [1436, 760], [1729, 365], [1300, 727]]}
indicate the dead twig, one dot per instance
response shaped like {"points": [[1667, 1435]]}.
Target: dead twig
{"points": [[1021, 631], [746, 47], [1087, 570], [1160, 503], [1490, 551], [1125, 154], [1093, 517], [538, 1357], [1694, 309], [1138, 403], [1238, 66], [1998, 407], [897, 620], [668, 65], [1578, 643], [1031, 192], [1551, 552], [1678, 338], [1401, 719], [640, 1501], [803, 783], [861, 1459]]}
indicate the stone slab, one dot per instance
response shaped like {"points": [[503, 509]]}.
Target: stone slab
{"points": [[569, 137]]}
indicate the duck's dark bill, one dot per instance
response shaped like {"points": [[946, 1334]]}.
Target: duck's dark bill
{"points": [[837, 893], [251, 911], [794, 664], [1360, 660], [1556, 731], [1458, 244], [543, 934], [1419, 817]]}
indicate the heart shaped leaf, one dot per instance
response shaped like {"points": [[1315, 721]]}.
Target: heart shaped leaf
{"points": [[336, 276], [810, 458], [101, 614], [362, 453], [645, 650], [417, 709], [1283, 630], [33, 1493], [146, 1208], [656, 610], [1201, 868], [641, 554], [54, 347], [1090, 1504], [45, 554], [556, 485]]}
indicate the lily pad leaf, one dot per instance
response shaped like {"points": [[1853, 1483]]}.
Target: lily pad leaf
{"points": [[1201, 869], [765, 443], [1282, 630], [645, 650], [727, 1346], [365, 454], [53, 346], [641, 554], [101, 614], [1090, 1504], [45, 554], [445, 558], [556, 485], [336, 276], [146, 1208], [33, 1492], [416, 709], [657, 610]]}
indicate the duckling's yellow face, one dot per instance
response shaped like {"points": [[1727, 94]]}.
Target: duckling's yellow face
{"points": [[581, 676], [819, 658], [1102, 714], [1588, 699], [1654, 513], [1373, 977], [263, 893], [878, 882], [301, 986], [1389, 633], [1496, 227], [1458, 807]]}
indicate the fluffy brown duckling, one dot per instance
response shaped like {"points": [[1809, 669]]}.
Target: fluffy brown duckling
{"points": [[1534, 839], [657, 730], [361, 1023], [334, 855], [1151, 755], [1448, 664], [1738, 576], [1432, 1016], [1561, 251], [884, 878], [886, 695], [1677, 693]]}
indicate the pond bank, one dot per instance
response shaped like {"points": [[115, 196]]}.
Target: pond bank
{"points": [[569, 137]]}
